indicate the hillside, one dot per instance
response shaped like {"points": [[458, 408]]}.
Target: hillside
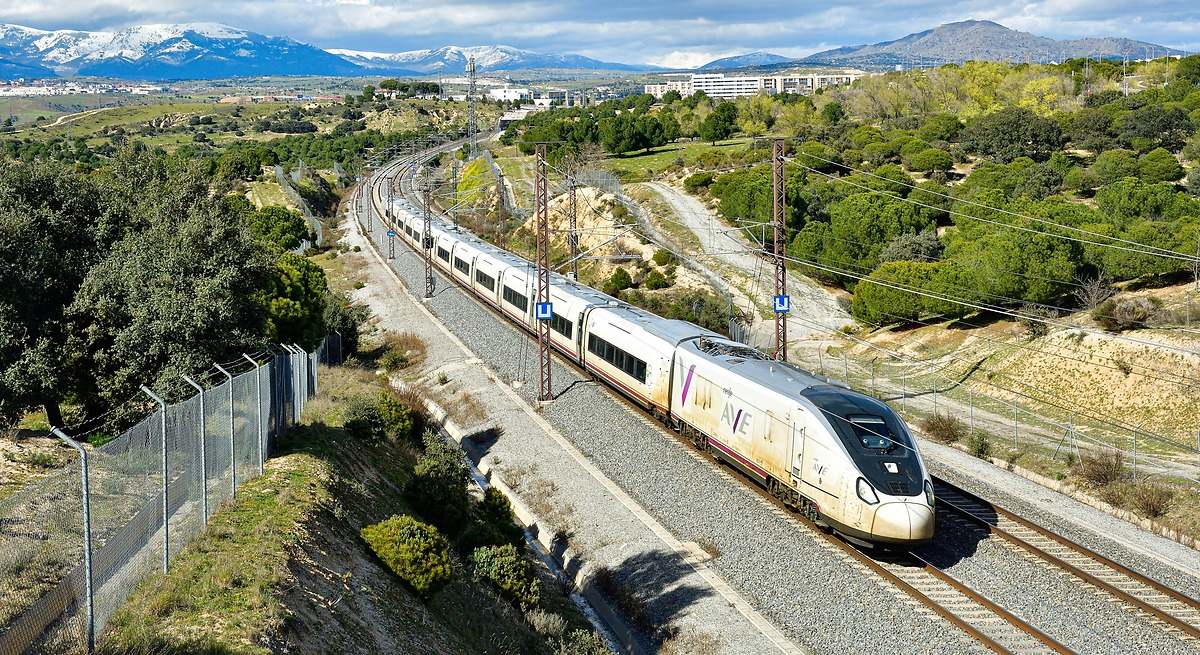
{"points": [[286, 570], [749, 59], [453, 59], [983, 40]]}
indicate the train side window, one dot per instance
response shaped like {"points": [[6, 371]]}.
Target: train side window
{"points": [[516, 300], [462, 266], [485, 280], [561, 326], [443, 254]]}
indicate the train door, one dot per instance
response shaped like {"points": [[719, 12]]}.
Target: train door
{"points": [[796, 455]]}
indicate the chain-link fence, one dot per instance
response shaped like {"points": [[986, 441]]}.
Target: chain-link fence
{"points": [[76, 543]]}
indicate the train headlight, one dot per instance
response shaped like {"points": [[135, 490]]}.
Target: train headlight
{"points": [[929, 493], [867, 493]]}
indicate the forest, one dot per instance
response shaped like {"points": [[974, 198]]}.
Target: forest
{"points": [[991, 183]]}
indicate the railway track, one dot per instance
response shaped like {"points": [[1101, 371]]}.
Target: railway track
{"points": [[967, 609], [1177, 613], [996, 628]]}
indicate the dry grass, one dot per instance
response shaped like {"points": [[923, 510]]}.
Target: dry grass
{"points": [[1152, 500], [944, 428], [1099, 468], [691, 642]]}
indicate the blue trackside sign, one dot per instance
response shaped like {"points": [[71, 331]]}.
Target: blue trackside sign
{"points": [[783, 304], [544, 311], [391, 233]]}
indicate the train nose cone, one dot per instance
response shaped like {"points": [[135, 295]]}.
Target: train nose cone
{"points": [[904, 522]]}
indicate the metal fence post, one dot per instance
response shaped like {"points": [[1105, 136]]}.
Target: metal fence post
{"points": [[166, 511], [262, 451], [302, 377], [87, 537], [232, 437], [203, 448]]}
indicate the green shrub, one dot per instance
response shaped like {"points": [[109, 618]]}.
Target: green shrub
{"points": [[980, 445], [931, 159], [1120, 314], [362, 419], [492, 523], [506, 568], [697, 181], [584, 642], [401, 420], [1158, 165], [664, 257], [393, 360], [618, 282], [414, 551], [438, 488], [655, 280]]}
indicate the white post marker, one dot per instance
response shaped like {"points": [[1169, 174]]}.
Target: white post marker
{"points": [[165, 510], [232, 437]]}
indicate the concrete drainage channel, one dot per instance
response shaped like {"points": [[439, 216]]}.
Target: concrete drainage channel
{"points": [[565, 563]]}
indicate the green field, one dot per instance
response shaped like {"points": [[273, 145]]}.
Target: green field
{"points": [[647, 165]]}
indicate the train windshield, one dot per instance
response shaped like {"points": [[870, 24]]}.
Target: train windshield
{"points": [[872, 432], [874, 437]]}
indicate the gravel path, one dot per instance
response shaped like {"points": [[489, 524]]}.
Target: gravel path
{"points": [[802, 585], [729, 247]]}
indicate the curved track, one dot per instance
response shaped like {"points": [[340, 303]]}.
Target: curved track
{"points": [[967, 609]]}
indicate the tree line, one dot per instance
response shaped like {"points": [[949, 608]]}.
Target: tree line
{"points": [[136, 273]]}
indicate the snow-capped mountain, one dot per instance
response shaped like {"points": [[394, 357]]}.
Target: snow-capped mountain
{"points": [[166, 52], [453, 59], [211, 50], [758, 58]]}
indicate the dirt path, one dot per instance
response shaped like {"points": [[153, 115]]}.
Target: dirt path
{"points": [[733, 254]]}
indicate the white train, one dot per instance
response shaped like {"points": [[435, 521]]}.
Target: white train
{"points": [[843, 458]]}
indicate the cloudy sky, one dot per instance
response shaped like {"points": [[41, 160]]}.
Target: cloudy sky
{"points": [[673, 34]]}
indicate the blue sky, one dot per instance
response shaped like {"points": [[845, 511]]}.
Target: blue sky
{"points": [[668, 33]]}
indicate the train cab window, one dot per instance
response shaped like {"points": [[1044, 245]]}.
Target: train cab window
{"points": [[443, 254], [561, 326], [516, 300], [630, 365], [872, 432], [485, 280], [462, 266]]}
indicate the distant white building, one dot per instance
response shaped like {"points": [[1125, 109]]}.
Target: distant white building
{"points": [[719, 85], [508, 94]]}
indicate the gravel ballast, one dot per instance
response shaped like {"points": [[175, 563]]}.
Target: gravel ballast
{"points": [[801, 584]]}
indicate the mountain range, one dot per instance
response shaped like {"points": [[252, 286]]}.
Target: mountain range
{"points": [[210, 50], [982, 40], [954, 43], [453, 59]]}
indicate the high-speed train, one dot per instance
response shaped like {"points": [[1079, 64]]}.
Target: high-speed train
{"points": [[844, 459]]}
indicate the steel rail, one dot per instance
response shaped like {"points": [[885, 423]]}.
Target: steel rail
{"points": [[993, 527]]}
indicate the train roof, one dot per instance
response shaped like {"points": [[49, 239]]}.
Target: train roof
{"points": [[672, 330]]}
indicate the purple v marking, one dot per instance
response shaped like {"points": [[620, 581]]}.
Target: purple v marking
{"points": [[737, 419], [687, 384]]}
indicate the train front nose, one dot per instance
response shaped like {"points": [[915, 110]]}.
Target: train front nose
{"points": [[903, 522]]}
